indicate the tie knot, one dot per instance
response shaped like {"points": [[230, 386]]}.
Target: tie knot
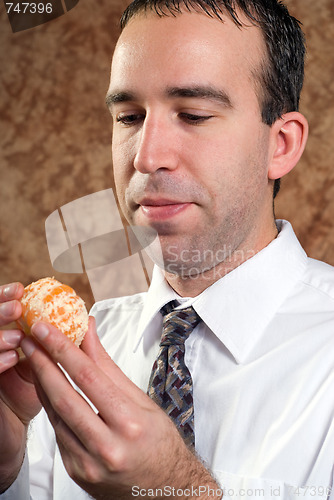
{"points": [[177, 324]]}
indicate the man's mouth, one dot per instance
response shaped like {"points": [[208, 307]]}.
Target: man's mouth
{"points": [[162, 208]]}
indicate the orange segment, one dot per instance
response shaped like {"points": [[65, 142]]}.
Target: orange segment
{"points": [[49, 300]]}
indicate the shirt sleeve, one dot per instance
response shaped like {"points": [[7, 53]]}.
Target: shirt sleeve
{"points": [[20, 489]]}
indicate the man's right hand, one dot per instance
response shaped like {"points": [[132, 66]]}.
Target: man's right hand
{"points": [[18, 399]]}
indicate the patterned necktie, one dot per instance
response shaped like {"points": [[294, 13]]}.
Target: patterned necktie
{"points": [[170, 384]]}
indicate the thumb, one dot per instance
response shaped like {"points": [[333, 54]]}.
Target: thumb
{"points": [[91, 344]]}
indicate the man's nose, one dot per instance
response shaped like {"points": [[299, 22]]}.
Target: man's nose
{"points": [[157, 146]]}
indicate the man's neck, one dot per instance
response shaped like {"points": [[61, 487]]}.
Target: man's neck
{"points": [[193, 285]]}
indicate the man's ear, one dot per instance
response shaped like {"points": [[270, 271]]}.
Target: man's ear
{"points": [[288, 135]]}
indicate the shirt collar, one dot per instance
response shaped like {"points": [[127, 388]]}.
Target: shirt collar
{"points": [[157, 296], [239, 306]]}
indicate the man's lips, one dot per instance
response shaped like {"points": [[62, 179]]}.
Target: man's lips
{"points": [[160, 209]]}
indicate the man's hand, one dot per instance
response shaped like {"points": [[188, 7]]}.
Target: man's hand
{"points": [[18, 399], [129, 442]]}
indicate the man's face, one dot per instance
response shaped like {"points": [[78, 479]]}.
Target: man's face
{"points": [[190, 151]]}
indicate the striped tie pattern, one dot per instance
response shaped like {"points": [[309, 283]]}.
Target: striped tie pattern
{"points": [[170, 384]]}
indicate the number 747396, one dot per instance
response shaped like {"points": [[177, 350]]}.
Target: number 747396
{"points": [[27, 7]]}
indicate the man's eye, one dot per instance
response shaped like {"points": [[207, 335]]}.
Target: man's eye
{"points": [[194, 119], [128, 119]]}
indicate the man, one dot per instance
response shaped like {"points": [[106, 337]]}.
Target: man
{"points": [[204, 102]]}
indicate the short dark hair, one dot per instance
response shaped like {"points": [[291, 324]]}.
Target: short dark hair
{"points": [[281, 76]]}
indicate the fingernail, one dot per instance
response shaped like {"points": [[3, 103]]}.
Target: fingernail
{"points": [[10, 290], [12, 338], [40, 330], [28, 346], [7, 308], [8, 358]]}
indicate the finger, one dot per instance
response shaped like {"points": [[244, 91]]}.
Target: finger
{"points": [[65, 407], [64, 434], [85, 461], [8, 360], [90, 343], [10, 307], [10, 339], [11, 291], [107, 387], [117, 407], [78, 457], [10, 311], [92, 346]]}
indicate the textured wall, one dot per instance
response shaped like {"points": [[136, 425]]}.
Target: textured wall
{"points": [[307, 197], [55, 131]]}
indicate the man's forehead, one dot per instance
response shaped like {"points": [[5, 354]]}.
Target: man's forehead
{"points": [[183, 23], [185, 51], [147, 32]]}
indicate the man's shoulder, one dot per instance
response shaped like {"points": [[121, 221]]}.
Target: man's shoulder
{"points": [[118, 309], [117, 319], [115, 303], [320, 277]]}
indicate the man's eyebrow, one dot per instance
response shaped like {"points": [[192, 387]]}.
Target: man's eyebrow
{"points": [[115, 97], [201, 92], [198, 92]]}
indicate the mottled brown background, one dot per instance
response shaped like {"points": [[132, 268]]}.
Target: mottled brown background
{"points": [[55, 132]]}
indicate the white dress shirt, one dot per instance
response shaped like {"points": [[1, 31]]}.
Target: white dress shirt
{"points": [[262, 364]]}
